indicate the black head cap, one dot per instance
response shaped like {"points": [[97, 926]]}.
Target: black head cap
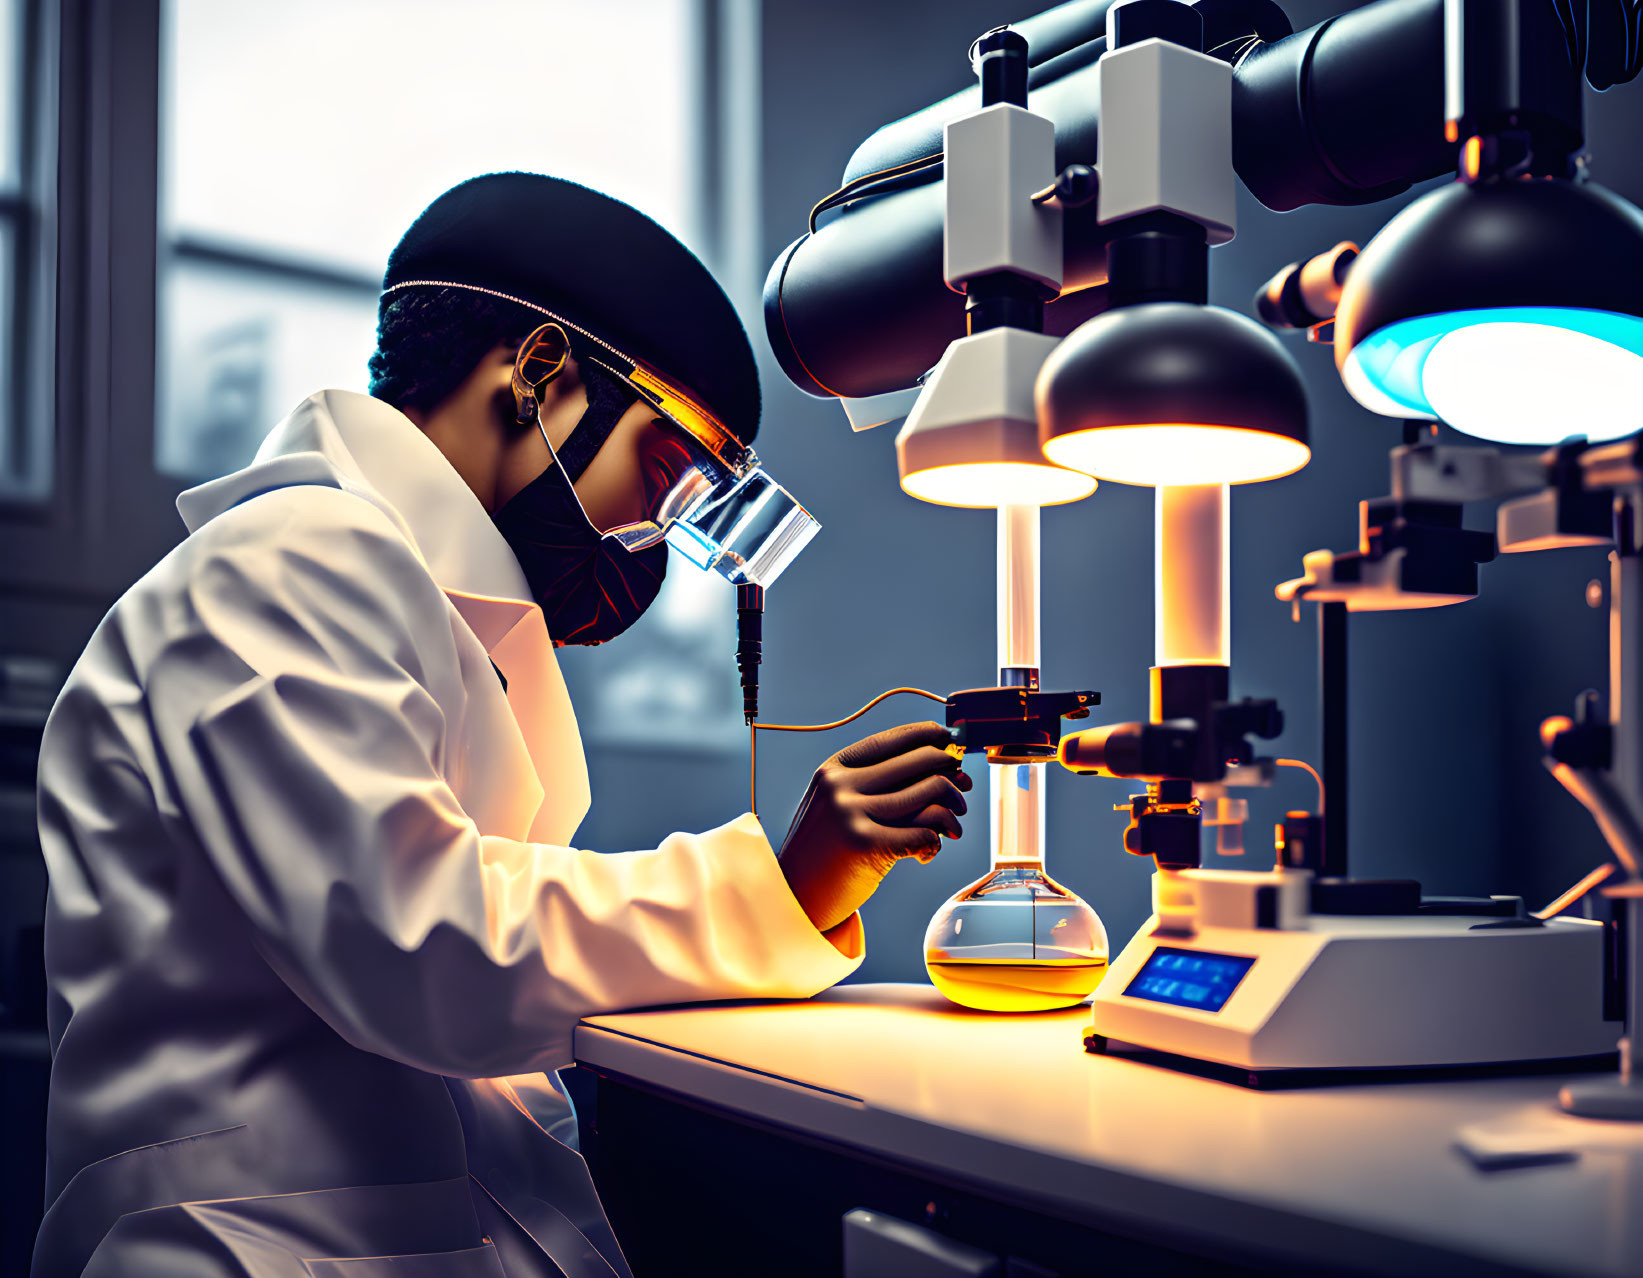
{"points": [[599, 263]]}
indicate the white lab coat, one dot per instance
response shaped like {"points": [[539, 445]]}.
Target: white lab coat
{"points": [[314, 927]]}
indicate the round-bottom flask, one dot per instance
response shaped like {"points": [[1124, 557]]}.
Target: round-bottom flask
{"points": [[1016, 941]]}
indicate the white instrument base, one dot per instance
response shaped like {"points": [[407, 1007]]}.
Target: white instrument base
{"points": [[1362, 992]]}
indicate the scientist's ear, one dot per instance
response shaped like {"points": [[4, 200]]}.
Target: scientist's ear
{"points": [[537, 364], [518, 407]]}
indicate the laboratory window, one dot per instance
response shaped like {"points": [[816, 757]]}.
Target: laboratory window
{"points": [[298, 144], [26, 251]]}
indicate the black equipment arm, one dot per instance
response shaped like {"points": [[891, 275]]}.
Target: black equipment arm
{"points": [[1349, 111]]}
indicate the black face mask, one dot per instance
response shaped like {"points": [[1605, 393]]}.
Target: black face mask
{"points": [[589, 587]]}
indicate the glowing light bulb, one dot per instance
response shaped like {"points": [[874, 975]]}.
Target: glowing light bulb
{"points": [[1179, 453], [1529, 383], [986, 484], [1513, 375]]}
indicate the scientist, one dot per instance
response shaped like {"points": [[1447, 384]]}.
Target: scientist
{"points": [[316, 936]]}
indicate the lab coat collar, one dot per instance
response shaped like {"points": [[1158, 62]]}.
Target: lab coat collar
{"points": [[372, 449], [345, 440]]}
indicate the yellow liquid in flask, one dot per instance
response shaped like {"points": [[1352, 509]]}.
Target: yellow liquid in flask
{"points": [[1004, 985]]}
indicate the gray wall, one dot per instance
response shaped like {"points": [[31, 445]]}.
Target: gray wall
{"points": [[1447, 786]]}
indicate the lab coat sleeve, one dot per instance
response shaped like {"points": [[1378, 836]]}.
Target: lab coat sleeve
{"points": [[297, 701]]}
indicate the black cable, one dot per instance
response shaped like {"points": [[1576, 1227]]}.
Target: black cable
{"points": [[1604, 39], [749, 645], [897, 178]]}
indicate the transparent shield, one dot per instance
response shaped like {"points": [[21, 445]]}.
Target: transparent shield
{"points": [[748, 531]]}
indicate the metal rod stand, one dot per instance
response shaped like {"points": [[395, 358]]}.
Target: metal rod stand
{"points": [[1621, 1097], [1332, 733]]}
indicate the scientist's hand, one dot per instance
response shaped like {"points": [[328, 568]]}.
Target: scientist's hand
{"points": [[892, 795]]}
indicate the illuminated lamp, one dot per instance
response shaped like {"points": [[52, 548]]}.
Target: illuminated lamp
{"points": [[1510, 309], [972, 437], [1173, 393]]}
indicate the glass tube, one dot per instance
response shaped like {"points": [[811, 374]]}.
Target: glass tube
{"points": [[1017, 789], [1018, 813], [1018, 575], [1193, 577]]}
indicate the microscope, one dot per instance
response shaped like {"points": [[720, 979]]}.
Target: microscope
{"points": [[1477, 305]]}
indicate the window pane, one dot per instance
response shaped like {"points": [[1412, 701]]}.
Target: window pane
{"points": [[242, 348], [11, 94], [13, 461], [320, 128], [303, 148], [27, 266]]}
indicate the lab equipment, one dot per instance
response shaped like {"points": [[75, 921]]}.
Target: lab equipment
{"points": [[1239, 972], [1301, 966], [1160, 388], [1275, 974], [1514, 263], [1431, 322], [1174, 392], [1016, 940], [1340, 113], [1196, 740], [1352, 973], [971, 439]]}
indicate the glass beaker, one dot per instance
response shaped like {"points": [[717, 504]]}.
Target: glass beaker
{"points": [[1016, 940]]}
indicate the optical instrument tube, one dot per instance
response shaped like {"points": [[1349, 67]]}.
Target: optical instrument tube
{"points": [[1064, 44], [1002, 299], [1347, 112], [861, 307], [1000, 59]]}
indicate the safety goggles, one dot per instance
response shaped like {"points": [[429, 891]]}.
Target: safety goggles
{"points": [[707, 496]]}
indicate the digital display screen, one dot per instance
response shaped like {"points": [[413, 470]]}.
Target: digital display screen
{"points": [[1189, 978]]}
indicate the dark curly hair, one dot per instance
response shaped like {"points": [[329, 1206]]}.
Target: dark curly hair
{"points": [[430, 339]]}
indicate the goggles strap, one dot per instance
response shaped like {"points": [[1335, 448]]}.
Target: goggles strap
{"points": [[608, 398]]}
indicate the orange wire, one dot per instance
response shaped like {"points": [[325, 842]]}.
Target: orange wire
{"points": [[755, 728], [1306, 767], [1577, 891], [839, 723]]}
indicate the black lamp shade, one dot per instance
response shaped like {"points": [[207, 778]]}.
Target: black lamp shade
{"points": [[1511, 309], [1167, 393], [1528, 243]]}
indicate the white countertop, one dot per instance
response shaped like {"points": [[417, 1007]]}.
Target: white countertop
{"points": [[1014, 1106]]}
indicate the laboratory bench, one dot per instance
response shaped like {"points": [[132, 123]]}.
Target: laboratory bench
{"points": [[734, 1138]]}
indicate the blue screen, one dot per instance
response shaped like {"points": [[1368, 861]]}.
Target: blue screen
{"points": [[1189, 978]]}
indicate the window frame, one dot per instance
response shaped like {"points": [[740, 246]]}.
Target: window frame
{"points": [[107, 513], [26, 210]]}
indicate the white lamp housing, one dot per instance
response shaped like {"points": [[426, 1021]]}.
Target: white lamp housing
{"points": [[972, 437]]}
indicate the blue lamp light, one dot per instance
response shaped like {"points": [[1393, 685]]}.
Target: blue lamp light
{"points": [[1510, 309]]}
